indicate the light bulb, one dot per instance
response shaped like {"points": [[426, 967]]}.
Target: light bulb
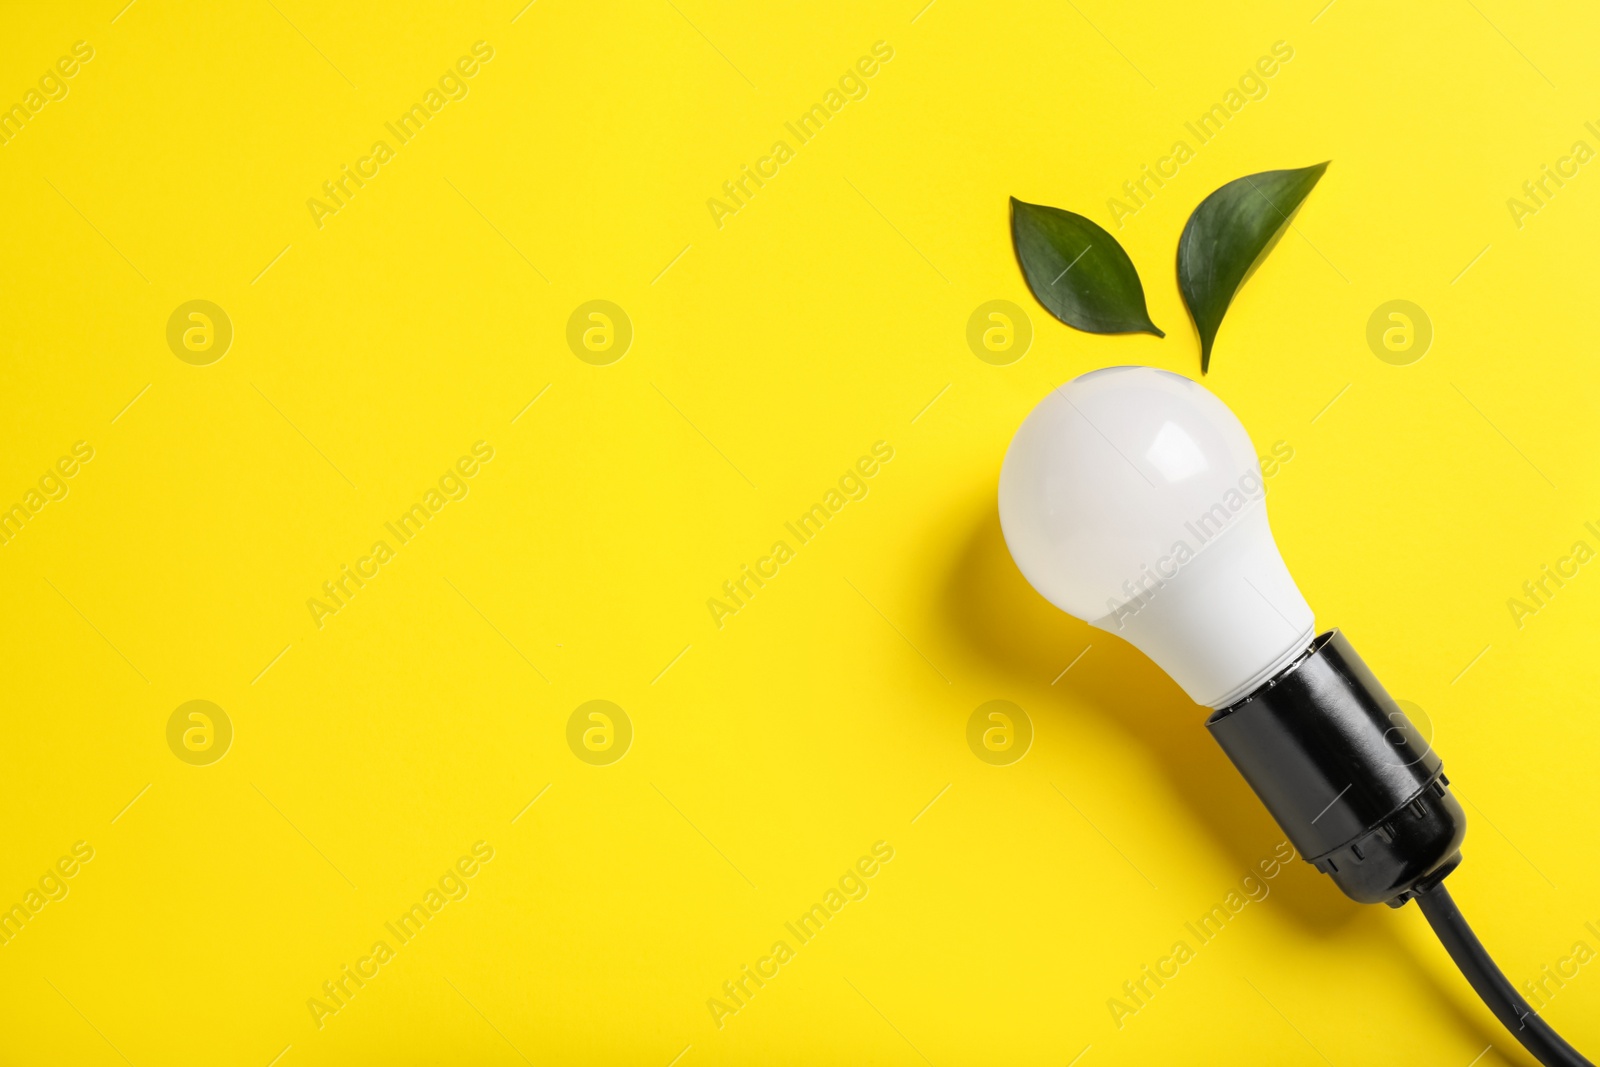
{"points": [[1132, 498]]}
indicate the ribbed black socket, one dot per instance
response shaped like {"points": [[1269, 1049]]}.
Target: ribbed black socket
{"points": [[1358, 790]]}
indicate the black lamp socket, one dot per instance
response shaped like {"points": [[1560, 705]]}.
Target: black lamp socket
{"points": [[1358, 790]]}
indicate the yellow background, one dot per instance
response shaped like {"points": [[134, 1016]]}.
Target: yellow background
{"points": [[768, 355]]}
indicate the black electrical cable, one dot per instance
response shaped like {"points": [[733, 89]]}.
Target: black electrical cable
{"points": [[1491, 985]]}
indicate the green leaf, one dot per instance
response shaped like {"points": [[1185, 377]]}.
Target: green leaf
{"points": [[1228, 236], [1078, 271]]}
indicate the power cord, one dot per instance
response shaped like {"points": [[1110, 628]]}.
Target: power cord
{"points": [[1491, 985]]}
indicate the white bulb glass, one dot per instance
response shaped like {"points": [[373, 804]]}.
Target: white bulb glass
{"points": [[1132, 498]]}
